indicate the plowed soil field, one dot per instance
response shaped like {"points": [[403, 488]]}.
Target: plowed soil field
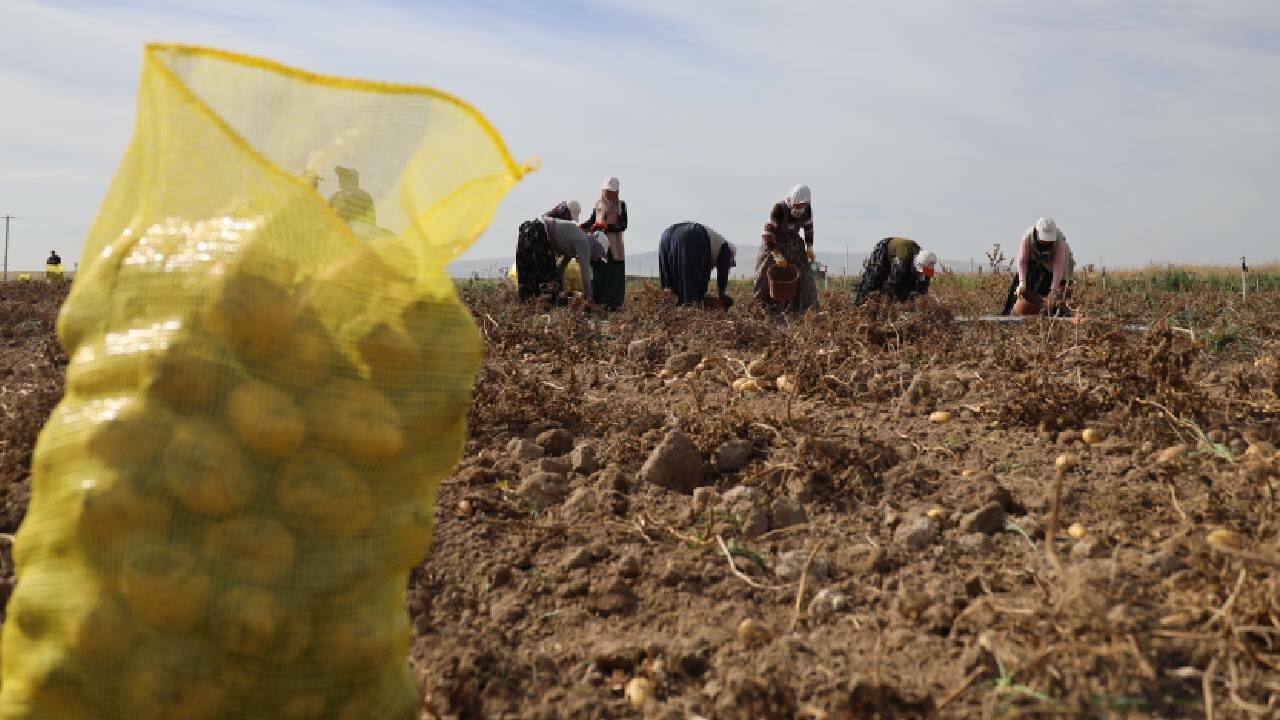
{"points": [[865, 512]]}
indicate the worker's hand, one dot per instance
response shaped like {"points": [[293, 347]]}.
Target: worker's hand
{"points": [[1021, 291], [599, 226], [810, 253], [779, 260]]}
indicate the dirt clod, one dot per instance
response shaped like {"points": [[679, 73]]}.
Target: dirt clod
{"points": [[556, 442], [988, 519], [675, 464], [733, 455]]}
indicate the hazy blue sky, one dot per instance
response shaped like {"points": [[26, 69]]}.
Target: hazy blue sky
{"points": [[1150, 129]]}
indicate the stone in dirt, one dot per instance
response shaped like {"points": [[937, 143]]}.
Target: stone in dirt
{"points": [[682, 363], [733, 455], [583, 459], [989, 519], [544, 488], [828, 602], [917, 533], [790, 565], [553, 465], [786, 512], [556, 442], [675, 464], [523, 450]]}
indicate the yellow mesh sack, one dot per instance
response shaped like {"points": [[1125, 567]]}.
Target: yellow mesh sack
{"points": [[268, 379]]}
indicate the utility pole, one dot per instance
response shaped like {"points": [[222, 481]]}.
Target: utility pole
{"points": [[7, 218]]}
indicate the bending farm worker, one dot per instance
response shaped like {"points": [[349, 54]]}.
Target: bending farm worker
{"points": [[539, 244], [565, 210], [898, 269], [610, 217], [782, 246], [1045, 266], [687, 253]]}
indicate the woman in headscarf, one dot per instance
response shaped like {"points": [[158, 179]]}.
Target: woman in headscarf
{"points": [[566, 210], [1045, 266], [355, 206], [540, 242], [610, 217], [686, 255], [782, 245], [898, 268]]}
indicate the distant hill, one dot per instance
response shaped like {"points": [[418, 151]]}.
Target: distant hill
{"points": [[645, 264]]}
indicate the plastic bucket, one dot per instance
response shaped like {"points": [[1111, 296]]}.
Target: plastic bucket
{"points": [[783, 282]]}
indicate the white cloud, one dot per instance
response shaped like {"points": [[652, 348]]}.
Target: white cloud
{"points": [[1148, 129]]}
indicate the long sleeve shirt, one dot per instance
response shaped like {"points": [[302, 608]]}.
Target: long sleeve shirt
{"points": [[1028, 253], [568, 241], [782, 222], [615, 224]]}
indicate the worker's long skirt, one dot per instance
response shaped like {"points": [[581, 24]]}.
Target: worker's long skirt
{"points": [[536, 271], [609, 281]]}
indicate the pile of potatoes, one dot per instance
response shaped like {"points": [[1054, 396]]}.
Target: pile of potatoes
{"points": [[228, 500]]}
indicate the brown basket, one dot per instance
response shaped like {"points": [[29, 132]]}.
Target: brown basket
{"points": [[783, 282]]}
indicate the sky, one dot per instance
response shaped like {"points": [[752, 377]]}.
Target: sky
{"points": [[1149, 129]]}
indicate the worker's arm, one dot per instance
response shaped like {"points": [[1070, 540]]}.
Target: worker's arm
{"points": [[723, 262], [808, 228], [1024, 259], [621, 225], [591, 221], [771, 227], [1059, 262]]}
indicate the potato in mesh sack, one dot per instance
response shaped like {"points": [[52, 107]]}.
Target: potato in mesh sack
{"points": [[263, 394]]}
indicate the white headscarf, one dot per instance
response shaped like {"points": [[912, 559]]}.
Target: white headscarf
{"points": [[575, 209], [799, 194], [1047, 230], [611, 184]]}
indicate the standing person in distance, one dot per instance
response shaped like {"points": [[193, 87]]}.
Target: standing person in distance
{"points": [[781, 244], [610, 217]]}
